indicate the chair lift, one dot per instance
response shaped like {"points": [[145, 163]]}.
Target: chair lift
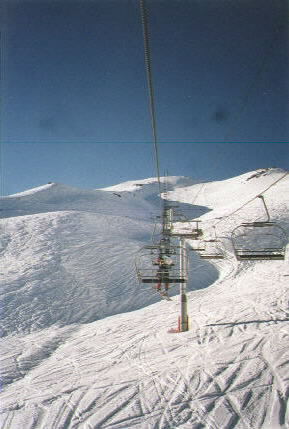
{"points": [[212, 248], [259, 240], [198, 246], [160, 263], [192, 233]]}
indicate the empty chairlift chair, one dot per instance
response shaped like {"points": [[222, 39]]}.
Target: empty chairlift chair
{"points": [[190, 230], [212, 248], [260, 240]]}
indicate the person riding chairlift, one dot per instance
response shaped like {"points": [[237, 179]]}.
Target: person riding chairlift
{"points": [[163, 262]]}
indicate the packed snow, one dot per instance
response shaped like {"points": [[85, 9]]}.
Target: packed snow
{"points": [[84, 345]]}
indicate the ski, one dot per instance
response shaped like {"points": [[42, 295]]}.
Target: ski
{"points": [[165, 296]]}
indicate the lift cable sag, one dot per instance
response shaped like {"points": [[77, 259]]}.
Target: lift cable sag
{"points": [[148, 64]]}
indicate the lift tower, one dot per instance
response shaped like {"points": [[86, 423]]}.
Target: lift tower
{"points": [[183, 324], [183, 318]]}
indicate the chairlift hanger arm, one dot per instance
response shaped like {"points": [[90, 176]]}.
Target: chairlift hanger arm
{"points": [[265, 207]]}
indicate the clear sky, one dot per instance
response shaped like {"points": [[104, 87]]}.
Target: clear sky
{"points": [[94, 165], [74, 103]]}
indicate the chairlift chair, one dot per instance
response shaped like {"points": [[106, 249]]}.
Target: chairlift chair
{"points": [[200, 247], [150, 270], [188, 232], [259, 240], [212, 248], [215, 253]]}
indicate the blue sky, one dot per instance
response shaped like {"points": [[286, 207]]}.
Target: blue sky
{"points": [[74, 97], [94, 165]]}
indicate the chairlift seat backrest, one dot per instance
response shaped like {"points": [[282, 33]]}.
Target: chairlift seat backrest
{"points": [[164, 280], [258, 224], [211, 256], [261, 256]]}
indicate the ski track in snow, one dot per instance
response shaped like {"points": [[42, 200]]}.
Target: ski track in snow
{"points": [[84, 346]]}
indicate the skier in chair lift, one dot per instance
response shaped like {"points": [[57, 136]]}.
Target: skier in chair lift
{"points": [[164, 263]]}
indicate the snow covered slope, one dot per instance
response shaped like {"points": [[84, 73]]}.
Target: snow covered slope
{"points": [[84, 346]]}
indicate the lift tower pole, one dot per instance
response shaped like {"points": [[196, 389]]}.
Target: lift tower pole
{"points": [[183, 318], [167, 221]]}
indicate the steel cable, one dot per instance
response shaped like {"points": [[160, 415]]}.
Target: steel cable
{"points": [[148, 65]]}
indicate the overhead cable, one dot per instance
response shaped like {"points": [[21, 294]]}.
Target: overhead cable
{"points": [[148, 64]]}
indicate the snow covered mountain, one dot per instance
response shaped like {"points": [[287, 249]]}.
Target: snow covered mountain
{"points": [[85, 346]]}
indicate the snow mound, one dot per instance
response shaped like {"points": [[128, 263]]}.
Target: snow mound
{"points": [[59, 197], [31, 191], [133, 185]]}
